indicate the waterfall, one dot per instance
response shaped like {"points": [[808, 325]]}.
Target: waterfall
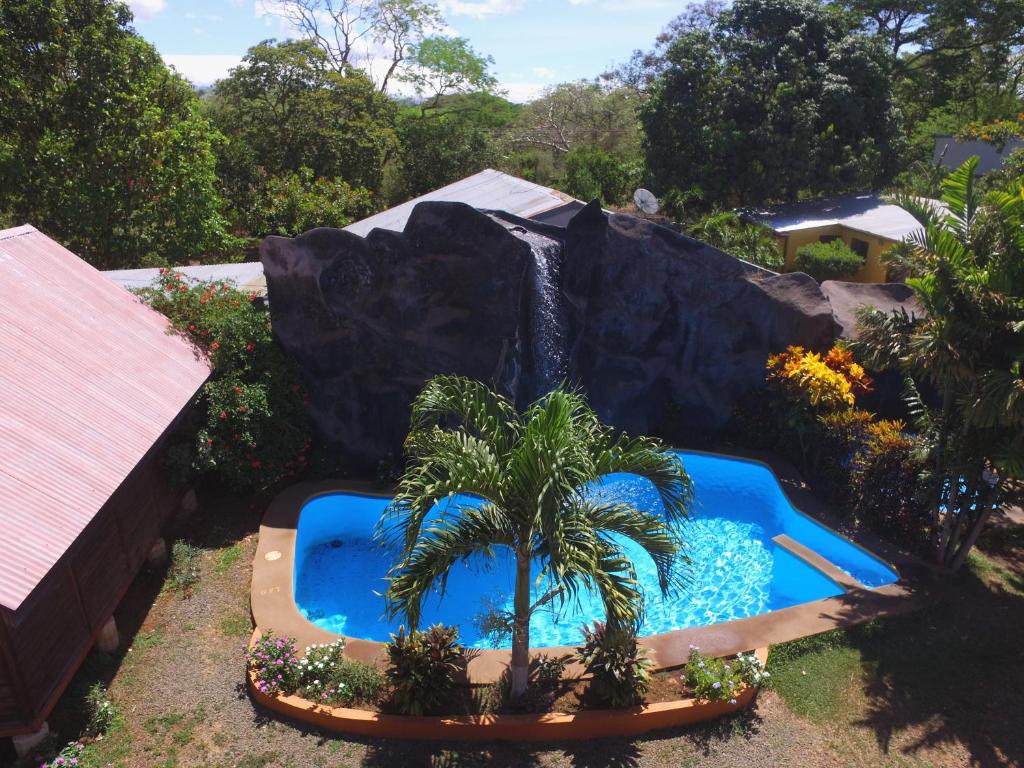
{"points": [[545, 328]]}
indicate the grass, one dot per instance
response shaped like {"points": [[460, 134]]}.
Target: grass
{"points": [[815, 684], [226, 558]]}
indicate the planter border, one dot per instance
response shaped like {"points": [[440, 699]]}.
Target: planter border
{"points": [[547, 726], [273, 586]]}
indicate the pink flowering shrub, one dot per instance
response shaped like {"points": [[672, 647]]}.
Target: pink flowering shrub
{"points": [[69, 757], [275, 662], [722, 679]]}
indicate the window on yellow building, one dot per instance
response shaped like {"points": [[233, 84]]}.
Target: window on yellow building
{"points": [[860, 247]]}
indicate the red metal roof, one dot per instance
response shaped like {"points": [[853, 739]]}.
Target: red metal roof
{"points": [[89, 380]]}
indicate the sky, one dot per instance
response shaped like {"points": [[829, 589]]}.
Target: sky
{"points": [[535, 43]]}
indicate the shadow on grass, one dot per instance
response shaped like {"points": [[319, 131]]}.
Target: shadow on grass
{"points": [[953, 672]]}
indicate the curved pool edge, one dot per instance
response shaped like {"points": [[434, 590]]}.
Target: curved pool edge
{"points": [[545, 726], [272, 597]]}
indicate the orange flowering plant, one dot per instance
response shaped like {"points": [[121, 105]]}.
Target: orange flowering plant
{"points": [[253, 429], [823, 383]]}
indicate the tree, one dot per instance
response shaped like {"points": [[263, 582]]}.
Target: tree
{"points": [[777, 98], [591, 173], [100, 145], [745, 240], [969, 347], [442, 66], [284, 109], [357, 34], [530, 471]]}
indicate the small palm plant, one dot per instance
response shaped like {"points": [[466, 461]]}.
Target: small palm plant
{"points": [[530, 470]]}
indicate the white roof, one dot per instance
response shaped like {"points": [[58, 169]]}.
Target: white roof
{"points": [[246, 275], [865, 213], [489, 190]]}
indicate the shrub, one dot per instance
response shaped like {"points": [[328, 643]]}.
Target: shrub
{"points": [[422, 667], [183, 573], [549, 670], [827, 261], [70, 755], [325, 675], [711, 679], [619, 666], [101, 710], [886, 476], [275, 662], [254, 431], [745, 240], [839, 437], [293, 203]]}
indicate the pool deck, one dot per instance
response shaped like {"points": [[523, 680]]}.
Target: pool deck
{"points": [[274, 608]]}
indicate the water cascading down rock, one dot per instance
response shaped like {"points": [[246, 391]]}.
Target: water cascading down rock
{"points": [[651, 324]]}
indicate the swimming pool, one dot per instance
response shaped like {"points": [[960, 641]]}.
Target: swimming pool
{"points": [[736, 569]]}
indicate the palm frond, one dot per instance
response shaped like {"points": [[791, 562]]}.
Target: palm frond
{"points": [[470, 403]]}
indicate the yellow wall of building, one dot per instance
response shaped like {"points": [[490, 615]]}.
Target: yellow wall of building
{"points": [[873, 270]]}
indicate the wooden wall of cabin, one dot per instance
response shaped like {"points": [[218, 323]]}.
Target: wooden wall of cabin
{"points": [[51, 632]]}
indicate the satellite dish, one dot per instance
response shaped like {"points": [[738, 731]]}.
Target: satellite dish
{"points": [[645, 201]]}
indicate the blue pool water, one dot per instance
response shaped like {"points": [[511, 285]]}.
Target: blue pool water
{"points": [[736, 570]]}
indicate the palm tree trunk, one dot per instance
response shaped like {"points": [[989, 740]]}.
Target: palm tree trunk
{"points": [[520, 668]]}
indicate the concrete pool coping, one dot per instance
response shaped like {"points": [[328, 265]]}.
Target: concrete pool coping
{"points": [[274, 608]]}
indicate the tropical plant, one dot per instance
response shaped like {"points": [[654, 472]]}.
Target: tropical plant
{"points": [[711, 679], [422, 667], [745, 240], [529, 471], [618, 665], [968, 348], [834, 260]]}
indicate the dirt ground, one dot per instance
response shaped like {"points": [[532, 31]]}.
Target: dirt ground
{"points": [[936, 688]]}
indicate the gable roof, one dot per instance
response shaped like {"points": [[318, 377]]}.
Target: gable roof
{"points": [[488, 190], [90, 380], [869, 213]]}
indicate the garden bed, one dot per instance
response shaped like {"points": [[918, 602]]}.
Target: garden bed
{"points": [[542, 726]]}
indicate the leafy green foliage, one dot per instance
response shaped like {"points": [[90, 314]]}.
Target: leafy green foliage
{"points": [[773, 98], [530, 469], [548, 671], [711, 679], [183, 573], [284, 110], [442, 66], [254, 431], [745, 240], [618, 664], [296, 202], [969, 347], [423, 665], [594, 174], [102, 712], [100, 145], [833, 260]]}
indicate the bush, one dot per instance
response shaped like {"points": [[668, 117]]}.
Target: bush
{"points": [[839, 437], [827, 261], [254, 431], [886, 476], [721, 679], [619, 666], [591, 173], [745, 240], [324, 675], [183, 573], [101, 710], [296, 202], [549, 670], [275, 662], [70, 755], [423, 667]]}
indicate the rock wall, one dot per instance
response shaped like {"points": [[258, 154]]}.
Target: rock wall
{"points": [[655, 323]]}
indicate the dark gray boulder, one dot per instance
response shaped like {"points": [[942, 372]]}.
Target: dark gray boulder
{"points": [[847, 298], [663, 326], [370, 320]]}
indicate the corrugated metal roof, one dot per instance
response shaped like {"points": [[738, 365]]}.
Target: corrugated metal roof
{"points": [[489, 190], [247, 275], [865, 213], [90, 380]]}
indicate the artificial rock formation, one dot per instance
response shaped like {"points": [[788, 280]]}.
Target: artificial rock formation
{"points": [[653, 325]]}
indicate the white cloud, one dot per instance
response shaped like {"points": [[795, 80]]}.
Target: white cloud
{"points": [[521, 92], [147, 9], [480, 9], [202, 69], [579, 2], [544, 72], [631, 6]]}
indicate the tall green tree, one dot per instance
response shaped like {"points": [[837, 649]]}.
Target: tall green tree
{"points": [[100, 145], [285, 109], [968, 274], [529, 469], [776, 98]]}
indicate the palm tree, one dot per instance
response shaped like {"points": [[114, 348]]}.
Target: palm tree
{"points": [[967, 264], [530, 470]]}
